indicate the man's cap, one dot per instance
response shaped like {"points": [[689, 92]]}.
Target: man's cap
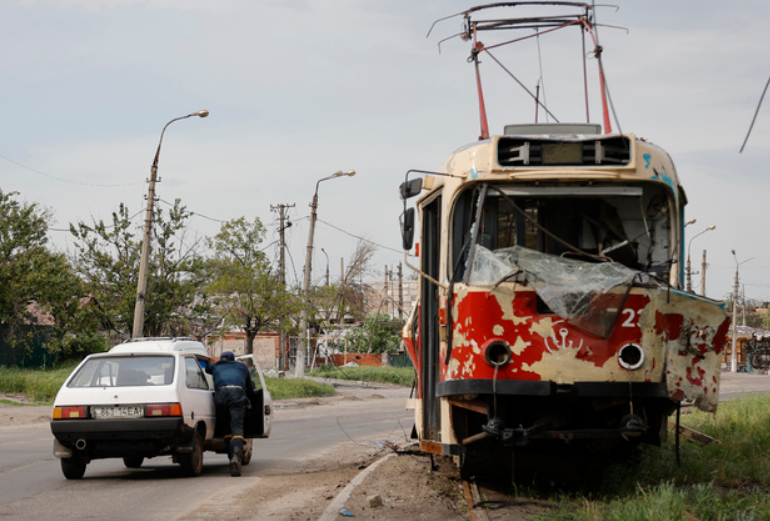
{"points": [[227, 355]]}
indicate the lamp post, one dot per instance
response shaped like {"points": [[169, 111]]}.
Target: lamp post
{"points": [[734, 347], [689, 272], [141, 286], [299, 368]]}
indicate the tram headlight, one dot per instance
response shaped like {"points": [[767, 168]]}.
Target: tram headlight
{"points": [[497, 353], [631, 356]]}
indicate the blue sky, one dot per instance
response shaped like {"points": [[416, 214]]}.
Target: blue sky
{"points": [[300, 89]]}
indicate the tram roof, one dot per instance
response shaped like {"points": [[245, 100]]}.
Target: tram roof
{"points": [[556, 152]]}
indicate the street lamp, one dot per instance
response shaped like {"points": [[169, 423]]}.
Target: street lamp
{"points": [[734, 348], [299, 369], [689, 272], [141, 286]]}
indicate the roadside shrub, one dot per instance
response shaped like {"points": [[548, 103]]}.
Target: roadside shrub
{"points": [[40, 385], [296, 388], [394, 375]]}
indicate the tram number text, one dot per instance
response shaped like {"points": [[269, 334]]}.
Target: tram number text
{"points": [[631, 317]]}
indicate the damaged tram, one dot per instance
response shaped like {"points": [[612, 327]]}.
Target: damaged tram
{"points": [[551, 311]]}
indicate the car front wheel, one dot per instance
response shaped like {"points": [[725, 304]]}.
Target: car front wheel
{"points": [[192, 462], [73, 467]]}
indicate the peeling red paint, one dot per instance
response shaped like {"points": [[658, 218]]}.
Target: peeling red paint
{"points": [[524, 331]]}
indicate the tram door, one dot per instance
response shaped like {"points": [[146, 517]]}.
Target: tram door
{"points": [[431, 249]]}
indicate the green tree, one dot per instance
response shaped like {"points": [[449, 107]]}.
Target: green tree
{"points": [[247, 292], [108, 260], [378, 334], [37, 286]]}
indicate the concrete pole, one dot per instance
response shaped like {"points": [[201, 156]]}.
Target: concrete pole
{"points": [[734, 348], [141, 285], [703, 276], [299, 366], [283, 359], [400, 292]]}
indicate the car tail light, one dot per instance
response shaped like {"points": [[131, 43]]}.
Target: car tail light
{"points": [[69, 413], [163, 409]]}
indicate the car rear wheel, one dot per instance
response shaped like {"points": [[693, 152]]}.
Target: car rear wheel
{"points": [[133, 462], [192, 462], [73, 467]]}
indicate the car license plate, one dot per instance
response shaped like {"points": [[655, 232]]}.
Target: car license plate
{"points": [[134, 411]]}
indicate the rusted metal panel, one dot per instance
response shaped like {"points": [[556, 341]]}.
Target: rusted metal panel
{"points": [[544, 347], [682, 337], [692, 330]]}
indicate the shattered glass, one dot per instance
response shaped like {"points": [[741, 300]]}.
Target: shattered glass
{"points": [[588, 295]]}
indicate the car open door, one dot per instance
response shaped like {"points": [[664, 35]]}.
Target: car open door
{"points": [[256, 423]]}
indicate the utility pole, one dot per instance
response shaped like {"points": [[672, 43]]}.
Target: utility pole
{"points": [[743, 304], [703, 276], [141, 286], [400, 292], [734, 353], [386, 288], [283, 359], [304, 343], [734, 349]]}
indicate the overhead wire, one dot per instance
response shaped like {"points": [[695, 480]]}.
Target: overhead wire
{"points": [[63, 180], [754, 119]]}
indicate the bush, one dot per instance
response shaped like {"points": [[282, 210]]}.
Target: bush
{"points": [[39, 385], [77, 347], [281, 388]]}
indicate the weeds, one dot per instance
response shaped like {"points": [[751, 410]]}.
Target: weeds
{"points": [[41, 385], [726, 481], [394, 375], [296, 388]]}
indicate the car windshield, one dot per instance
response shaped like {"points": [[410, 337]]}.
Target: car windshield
{"points": [[125, 371]]}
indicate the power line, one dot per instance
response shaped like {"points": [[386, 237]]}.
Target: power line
{"points": [[67, 180], [360, 238], [106, 226]]}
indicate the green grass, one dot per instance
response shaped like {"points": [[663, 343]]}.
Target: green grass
{"points": [[727, 481], [394, 375], [39, 385], [281, 388]]}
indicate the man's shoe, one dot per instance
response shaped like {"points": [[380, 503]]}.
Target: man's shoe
{"points": [[235, 466]]}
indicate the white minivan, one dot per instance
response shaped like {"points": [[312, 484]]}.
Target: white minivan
{"points": [[148, 397]]}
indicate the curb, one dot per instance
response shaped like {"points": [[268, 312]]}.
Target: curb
{"points": [[332, 512]]}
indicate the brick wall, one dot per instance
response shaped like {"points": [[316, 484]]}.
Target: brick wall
{"points": [[371, 360]]}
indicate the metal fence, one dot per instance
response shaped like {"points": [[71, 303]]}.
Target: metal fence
{"points": [[31, 354]]}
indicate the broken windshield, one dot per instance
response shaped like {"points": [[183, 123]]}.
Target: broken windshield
{"points": [[579, 247]]}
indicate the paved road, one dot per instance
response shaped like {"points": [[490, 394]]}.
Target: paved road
{"points": [[734, 385], [32, 486]]}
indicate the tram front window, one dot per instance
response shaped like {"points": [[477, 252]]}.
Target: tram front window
{"points": [[624, 224]]}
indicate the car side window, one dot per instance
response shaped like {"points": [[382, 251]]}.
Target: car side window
{"points": [[194, 377]]}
